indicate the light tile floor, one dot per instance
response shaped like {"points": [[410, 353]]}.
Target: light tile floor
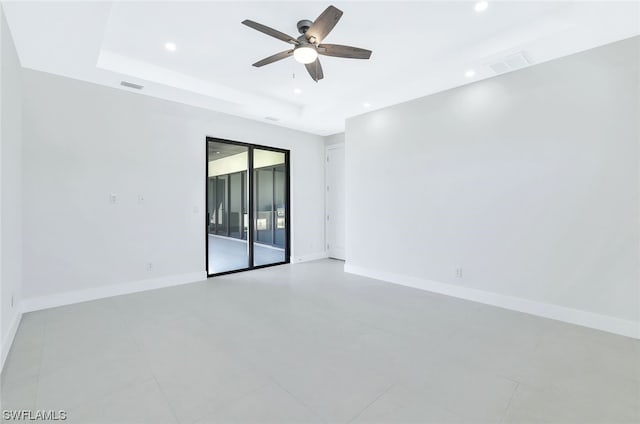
{"points": [[308, 343]]}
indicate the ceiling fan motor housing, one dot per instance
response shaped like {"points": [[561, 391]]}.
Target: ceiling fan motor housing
{"points": [[304, 25], [303, 42]]}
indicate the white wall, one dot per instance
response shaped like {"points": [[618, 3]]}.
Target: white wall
{"points": [[11, 190], [334, 139], [528, 181], [83, 142]]}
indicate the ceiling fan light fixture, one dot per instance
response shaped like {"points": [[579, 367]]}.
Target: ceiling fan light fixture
{"points": [[305, 54]]}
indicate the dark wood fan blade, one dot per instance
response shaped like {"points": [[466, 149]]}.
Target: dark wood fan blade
{"points": [[270, 31], [323, 25], [273, 58], [344, 51], [315, 70]]}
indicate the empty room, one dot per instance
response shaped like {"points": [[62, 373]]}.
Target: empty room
{"points": [[306, 212]]}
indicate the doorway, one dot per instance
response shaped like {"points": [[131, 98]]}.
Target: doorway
{"points": [[248, 206], [335, 201]]}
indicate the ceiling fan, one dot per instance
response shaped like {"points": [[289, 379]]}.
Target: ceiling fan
{"points": [[309, 45]]}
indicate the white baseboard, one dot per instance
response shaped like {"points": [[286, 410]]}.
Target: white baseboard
{"points": [[7, 341], [94, 293], [307, 258], [548, 310]]}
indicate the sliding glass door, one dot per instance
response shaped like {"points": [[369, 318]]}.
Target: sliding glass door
{"points": [[247, 206]]}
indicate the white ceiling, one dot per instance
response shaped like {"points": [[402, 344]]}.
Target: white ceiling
{"points": [[418, 48]]}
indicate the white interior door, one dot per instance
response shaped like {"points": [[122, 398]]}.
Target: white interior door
{"points": [[336, 202]]}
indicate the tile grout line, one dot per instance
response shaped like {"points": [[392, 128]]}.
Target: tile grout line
{"points": [[143, 354], [384, 392], [39, 374], [166, 398], [225, 405], [95, 402], [299, 400], [506, 409]]}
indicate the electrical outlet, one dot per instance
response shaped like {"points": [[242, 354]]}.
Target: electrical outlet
{"points": [[149, 266], [459, 272], [113, 198]]}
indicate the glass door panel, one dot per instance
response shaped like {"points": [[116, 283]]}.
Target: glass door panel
{"points": [[269, 191], [227, 187]]}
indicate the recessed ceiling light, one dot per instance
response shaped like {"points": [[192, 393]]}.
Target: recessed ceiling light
{"points": [[470, 73], [481, 6], [217, 153], [297, 91], [366, 105], [170, 46]]}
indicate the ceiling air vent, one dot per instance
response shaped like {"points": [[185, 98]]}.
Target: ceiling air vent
{"points": [[131, 85], [499, 67], [510, 63]]}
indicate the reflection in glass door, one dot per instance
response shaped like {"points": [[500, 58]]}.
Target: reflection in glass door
{"points": [[270, 205], [235, 170], [227, 208]]}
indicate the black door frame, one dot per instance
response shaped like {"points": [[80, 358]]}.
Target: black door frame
{"points": [[251, 228]]}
